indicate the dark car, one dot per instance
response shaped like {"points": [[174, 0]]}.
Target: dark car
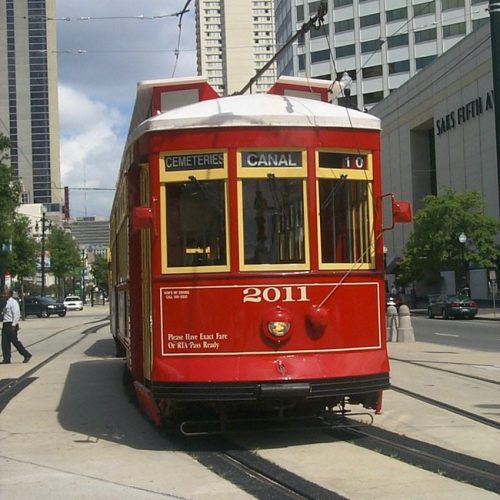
{"points": [[451, 306], [43, 307]]}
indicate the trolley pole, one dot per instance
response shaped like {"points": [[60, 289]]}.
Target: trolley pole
{"points": [[322, 9], [494, 8]]}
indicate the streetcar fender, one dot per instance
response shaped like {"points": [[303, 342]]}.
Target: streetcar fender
{"points": [[147, 403]]}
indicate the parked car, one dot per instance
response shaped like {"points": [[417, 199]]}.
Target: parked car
{"points": [[451, 306], [43, 307], [73, 303]]}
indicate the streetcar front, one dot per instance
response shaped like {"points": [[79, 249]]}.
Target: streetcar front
{"points": [[258, 235]]}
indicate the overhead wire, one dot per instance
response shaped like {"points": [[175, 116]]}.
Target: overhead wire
{"points": [[176, 51]]}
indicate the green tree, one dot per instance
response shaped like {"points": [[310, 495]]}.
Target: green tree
{"points": [[64, 257], [434, 245], [99, 270], [25, 251], [9, 201]]}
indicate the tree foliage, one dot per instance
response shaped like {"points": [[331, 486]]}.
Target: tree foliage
{"points": [[25, 249], [64, 254], [100, 272], [9, 201], [434, 245]]}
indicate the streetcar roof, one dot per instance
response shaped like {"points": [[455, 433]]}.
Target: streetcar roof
{"points": [[257, 110]]}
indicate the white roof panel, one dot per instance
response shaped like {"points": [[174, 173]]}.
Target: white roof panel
{"points": [[260, 110]]}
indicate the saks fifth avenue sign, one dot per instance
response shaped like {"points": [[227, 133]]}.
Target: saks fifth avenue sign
{"points": [[464, 113]]}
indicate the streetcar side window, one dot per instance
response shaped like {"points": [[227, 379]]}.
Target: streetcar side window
{"points": [[344, 221], [196, 223], [273, 221]]}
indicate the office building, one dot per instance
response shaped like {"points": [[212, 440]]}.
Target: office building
{"points": [[438, 129], [234, 40], [28, 97], [380, 43]]}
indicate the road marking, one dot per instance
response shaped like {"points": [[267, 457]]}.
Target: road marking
{"points": [[446, 334]]}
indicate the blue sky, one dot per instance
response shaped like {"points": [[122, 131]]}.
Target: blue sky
{"points": [[104, 49]]}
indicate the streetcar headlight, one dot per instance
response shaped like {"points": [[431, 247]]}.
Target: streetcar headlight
{"points": [[278, 328], [277, 324]]}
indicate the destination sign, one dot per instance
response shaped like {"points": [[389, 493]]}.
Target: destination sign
{"points": [[194, 161], [342, 160], [271, 159]]}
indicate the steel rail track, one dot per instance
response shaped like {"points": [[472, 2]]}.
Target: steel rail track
{"points": [[445, 370], [14, 386], [454, 465], [445, 406]]}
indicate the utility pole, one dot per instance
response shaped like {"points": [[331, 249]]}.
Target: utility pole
{"points": [[42, 262], [494, 8]]}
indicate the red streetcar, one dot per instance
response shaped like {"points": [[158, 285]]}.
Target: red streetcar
{"points": [[246, 251]]}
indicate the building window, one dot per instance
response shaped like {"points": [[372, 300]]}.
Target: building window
{"points": [[300, 12], [302, 64], [346, 25], [423, 9], [452, 4], [371, 20], [396, 14], [322, 31], [320, 55], [453, 30], [371, 46], [476, 24], [372, 71], [345, 51], [421, 62], [397, 40], [373, 97], [341, 3], [425, 35], [399, 67]]}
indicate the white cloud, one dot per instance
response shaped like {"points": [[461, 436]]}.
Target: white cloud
{"points": [[97, 86], [91, 144]]}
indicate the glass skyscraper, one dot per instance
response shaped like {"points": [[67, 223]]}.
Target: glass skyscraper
{"points": [[28, 97], [380, 43]]}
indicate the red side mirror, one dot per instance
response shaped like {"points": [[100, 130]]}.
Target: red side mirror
{"points": [[142, 217], [401, 211]]}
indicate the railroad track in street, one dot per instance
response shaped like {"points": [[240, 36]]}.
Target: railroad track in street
{"points": [[445, 406], [10, 387], [453, 465], [255, 475]]}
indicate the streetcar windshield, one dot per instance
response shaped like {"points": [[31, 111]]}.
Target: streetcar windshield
{"points": [[196, 223], [273, 219], [344, 221]]}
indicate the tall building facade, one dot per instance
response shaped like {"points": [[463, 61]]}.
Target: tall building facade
{"points": [[380, 43], [234, 40], [28, 97]]}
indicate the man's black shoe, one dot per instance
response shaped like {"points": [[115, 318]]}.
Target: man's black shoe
{"points": [[27, 358], [5, 362]]}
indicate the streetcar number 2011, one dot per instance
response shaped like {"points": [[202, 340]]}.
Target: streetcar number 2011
{"points": [[274, 294]]}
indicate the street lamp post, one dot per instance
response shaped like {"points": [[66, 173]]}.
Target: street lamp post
{"points": [[45, 226], [462, 238]]}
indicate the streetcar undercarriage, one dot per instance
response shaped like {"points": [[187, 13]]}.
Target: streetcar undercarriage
{"points": [[223, 403]]}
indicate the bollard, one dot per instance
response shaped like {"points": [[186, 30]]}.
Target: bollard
{"points": [[392, 324], [405, 330]]}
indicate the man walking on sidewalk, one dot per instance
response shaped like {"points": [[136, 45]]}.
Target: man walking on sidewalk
{"points": [[11, 317]]}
